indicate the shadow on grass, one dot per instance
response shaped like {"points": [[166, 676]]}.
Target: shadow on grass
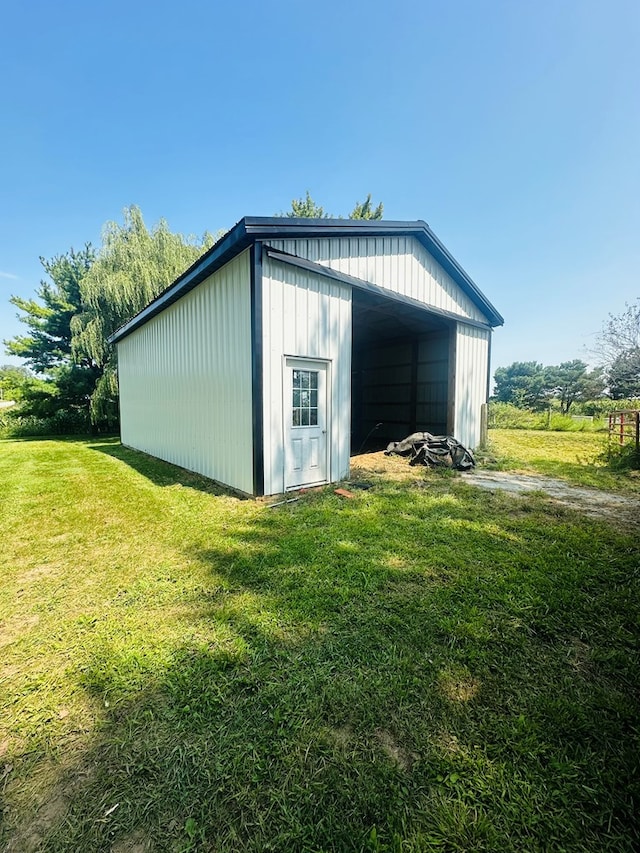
{"points": [[161, 473], [403, 671], [68, 439]]}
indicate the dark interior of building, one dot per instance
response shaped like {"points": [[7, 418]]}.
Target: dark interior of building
{"points": [[400, 371]]}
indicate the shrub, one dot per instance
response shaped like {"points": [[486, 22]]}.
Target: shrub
{"points": [[508, 416], [64, 422], [566, 423], [626, 458]]}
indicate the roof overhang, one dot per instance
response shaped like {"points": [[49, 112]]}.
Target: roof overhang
{"points": [[258, 228], [361, 284]]}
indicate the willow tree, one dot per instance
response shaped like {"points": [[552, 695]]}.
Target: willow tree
{"points": [[133, 266]]}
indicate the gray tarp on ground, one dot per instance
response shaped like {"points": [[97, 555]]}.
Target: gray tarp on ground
{"points": [[433, 450]]}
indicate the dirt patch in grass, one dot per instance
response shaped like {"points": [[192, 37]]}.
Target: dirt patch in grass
{"points": [[29, 839], [579, 655], [134, 843], [366, 465], [458, 685], [401, 757], [622, 509], [34, 574], [450, 745], [16, 627], [342, 736]]}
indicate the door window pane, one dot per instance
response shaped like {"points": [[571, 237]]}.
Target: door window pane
{"points": [[305, 398]]}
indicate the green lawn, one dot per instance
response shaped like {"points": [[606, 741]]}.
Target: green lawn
{"points": [[579, 457], [425, 667]]}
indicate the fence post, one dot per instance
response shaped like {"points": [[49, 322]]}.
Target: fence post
{"points": [[484, 424]]}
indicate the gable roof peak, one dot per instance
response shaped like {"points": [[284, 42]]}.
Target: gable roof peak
{"points": [[250, 229]]}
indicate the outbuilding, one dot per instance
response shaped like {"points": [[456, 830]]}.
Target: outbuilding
{"points": [[292, 343]]}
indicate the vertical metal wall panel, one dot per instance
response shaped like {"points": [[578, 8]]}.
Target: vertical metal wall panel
{"points": [[384, 377], [472, 364], [399, 264], [400, 385], [185, 380], [432, 383], [309, 316]]}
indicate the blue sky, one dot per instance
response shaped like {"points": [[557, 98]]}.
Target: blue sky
{"points": [[512, 128]]}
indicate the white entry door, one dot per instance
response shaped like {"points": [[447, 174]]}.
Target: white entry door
{"points": [[305, 423]]}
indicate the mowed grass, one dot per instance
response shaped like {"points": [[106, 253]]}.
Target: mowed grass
{"points": [[424, 667], [578, 457]]}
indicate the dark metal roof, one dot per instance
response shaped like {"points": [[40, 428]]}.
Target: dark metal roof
{"points": [[253, 228]]}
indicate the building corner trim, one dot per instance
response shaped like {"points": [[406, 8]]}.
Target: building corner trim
{"points": [[257, 369]]}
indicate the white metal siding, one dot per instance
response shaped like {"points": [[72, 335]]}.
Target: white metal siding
{"points": [[399, 264], [305, 315], [472, 365], [185, 380]]}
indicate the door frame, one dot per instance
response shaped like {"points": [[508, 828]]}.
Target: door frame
{"points": [[309, 362]]}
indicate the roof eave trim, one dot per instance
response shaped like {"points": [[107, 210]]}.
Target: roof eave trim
{"points": [[446, 259], [231, 244], [252, 228], [265, 227]]}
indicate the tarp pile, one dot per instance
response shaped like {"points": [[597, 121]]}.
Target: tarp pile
{"points": [[433, 451]]}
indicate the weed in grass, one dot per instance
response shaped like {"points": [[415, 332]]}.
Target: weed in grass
{"points": [[622, 459]]}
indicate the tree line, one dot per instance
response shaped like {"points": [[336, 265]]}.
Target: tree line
{"points": [[531, 385], [70, 369]]}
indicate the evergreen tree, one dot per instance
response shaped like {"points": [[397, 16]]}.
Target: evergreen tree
{"points": [[522, 384], [529, 385], [306, 208], [572, 382], [366, 211], [67, 380], [48, 317]]}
